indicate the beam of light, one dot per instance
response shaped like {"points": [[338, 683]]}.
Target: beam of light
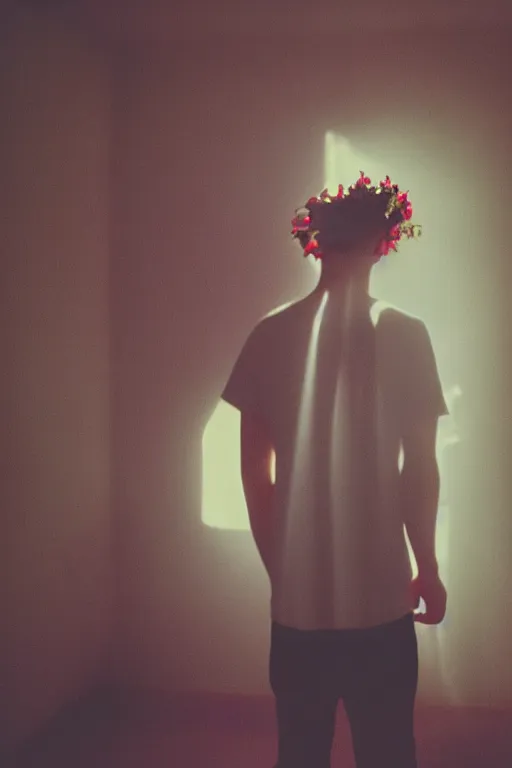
{"points": [[340, 469], [302, 484]]}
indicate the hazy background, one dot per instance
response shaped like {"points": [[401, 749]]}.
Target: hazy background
{"points": [[150, 168]]}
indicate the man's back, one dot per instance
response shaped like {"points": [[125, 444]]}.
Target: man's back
{"points": [[336, 388]]}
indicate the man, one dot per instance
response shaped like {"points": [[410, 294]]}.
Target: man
{"points": [[342, 390]]}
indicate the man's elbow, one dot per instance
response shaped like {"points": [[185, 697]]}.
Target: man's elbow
{"points": [[420, 478]]}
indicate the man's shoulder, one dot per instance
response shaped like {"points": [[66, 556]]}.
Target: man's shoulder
{"points": [[278, 317], [291, 310], [388, 315], [298, 313], [391, 312], [281, 310]]}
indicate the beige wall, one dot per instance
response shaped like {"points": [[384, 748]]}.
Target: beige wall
{"points": [[214, 146], [204, 142], [55, 369]]}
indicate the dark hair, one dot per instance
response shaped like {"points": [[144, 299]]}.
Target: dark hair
{"points": [[346, 224]]}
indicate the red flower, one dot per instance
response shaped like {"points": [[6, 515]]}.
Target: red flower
{"points": [[340, 191], [407, 212], [386, 184], [301, 223], [311, 247], [363, 180]]}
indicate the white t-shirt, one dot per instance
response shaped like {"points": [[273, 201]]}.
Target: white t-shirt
{"points": [[337, 389]]}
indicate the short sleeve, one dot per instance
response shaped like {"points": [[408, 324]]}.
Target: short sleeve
{"points": [[242, 388], [422, 393]]}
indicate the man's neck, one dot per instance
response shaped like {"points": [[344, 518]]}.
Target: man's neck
{"points": [[344, 287]]}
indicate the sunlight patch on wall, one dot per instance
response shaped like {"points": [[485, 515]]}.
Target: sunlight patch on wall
{"points": [[343, 163], [223, 499]]}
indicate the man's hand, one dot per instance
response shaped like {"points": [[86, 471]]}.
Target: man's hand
{"points": [[431, 589]]}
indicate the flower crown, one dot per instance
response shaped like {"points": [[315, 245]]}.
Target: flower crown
{"points": [[398, 212]]}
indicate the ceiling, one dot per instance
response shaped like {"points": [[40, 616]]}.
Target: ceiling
{"points": [[164, 22]]}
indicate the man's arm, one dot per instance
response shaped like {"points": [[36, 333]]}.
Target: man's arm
{"points": [[257, 452], [420, 493]]}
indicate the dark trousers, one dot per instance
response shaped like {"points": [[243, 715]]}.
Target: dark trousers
{"points": [[373, 671]]}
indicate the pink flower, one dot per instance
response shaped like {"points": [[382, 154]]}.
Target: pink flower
{"points": [[311, 247], [363, 180], [301, 223]]}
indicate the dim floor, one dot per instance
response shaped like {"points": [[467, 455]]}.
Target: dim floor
{"points": [[151, 730]]}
